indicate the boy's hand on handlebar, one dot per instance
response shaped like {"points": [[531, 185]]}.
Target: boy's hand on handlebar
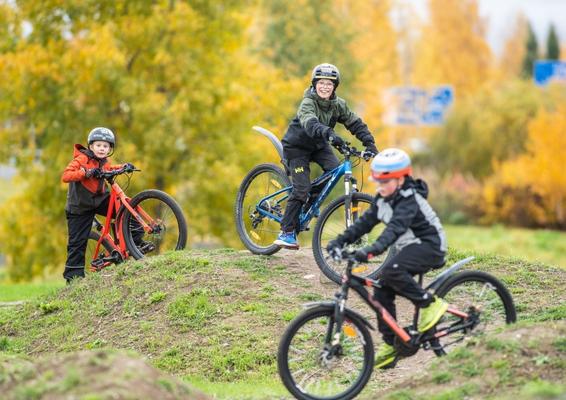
{"points": [[129, 167], [93, 173], [334, 249], [335, 140], [363, 255]]}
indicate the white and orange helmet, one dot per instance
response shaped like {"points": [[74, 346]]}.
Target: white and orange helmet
{"points": [[390, 163]]}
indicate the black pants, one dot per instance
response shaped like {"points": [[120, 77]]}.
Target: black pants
{"points": [[79, 226], [396, 277], [300, 177]]}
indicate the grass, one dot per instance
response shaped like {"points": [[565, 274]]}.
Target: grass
{"points": [[497, 367], [214, 319], [27, 291], [543, 246], [252, 389]]}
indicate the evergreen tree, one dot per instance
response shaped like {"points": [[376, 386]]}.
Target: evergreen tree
{"points": [[531, 55], [552, 46]]}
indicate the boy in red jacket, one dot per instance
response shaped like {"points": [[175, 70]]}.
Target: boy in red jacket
{"points": [[88, 195]]}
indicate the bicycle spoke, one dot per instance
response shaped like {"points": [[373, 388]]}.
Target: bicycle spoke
{"points": [[474, 296], [309, 367]]}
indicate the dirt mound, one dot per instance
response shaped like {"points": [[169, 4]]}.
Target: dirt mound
{"points": [[100, 374], [217, 315]]}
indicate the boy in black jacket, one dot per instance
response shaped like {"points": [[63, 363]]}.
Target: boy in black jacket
{"points": [[307, 139], [417, 236]]}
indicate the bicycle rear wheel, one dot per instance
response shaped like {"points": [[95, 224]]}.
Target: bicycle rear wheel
{"points": [[474, 291], [257, 232], [307, 369], [331, 223], [168, 227]]}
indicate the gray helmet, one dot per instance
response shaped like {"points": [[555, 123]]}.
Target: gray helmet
{"points": [[102, 134], [326, 71]]}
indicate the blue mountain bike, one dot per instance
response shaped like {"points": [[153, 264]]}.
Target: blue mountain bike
{"points": [[263, 194]]}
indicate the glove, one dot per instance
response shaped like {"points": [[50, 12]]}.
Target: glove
{"points": [[93, 173], [335, 140], [129, 167], [363, 255], [370, 148], [334, 248]]}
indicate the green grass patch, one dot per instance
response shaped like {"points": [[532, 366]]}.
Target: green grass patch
{"points": [[533, 245], [27, 291], [249, 389]]}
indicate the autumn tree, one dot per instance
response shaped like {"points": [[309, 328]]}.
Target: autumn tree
{"points": [[452, 48], [552, 44], [173, 80], [301, 34], [530, 190], [374, 48], [486, 128], [513, 53]]}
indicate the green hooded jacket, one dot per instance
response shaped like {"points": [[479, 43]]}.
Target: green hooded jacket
{"points": [[315, 121]]}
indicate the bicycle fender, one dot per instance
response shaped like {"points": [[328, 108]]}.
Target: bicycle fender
{"points": [[348, 311], [272, 138], [440, 279]]}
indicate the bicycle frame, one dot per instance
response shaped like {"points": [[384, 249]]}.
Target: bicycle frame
{"points": [[413, 337], [333, 176], [118, 202]]}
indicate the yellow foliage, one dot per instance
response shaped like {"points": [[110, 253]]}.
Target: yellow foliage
{"points": [[511, 61], [452, 49], [531, 189], [374, 49]]}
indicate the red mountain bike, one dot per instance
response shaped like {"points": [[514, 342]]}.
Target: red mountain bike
{"points": [[150, 223]]}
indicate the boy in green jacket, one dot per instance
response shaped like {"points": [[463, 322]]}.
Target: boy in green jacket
{"points": [[308, 138]]}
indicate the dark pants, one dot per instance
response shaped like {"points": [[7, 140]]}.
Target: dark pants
{"points": [[396, 277], [300, 177], [79, 226]]}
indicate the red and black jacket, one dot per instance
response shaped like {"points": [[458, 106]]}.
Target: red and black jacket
{"points": [[85, 194]]}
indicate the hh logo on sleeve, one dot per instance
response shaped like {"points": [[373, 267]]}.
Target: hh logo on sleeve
{"points": [[298, 170]]}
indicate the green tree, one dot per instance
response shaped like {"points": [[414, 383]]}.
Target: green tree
{"points": [[490, 126], [532, 53], [552, 45], [173, 79], [301, 34]]}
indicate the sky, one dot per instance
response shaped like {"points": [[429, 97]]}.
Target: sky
{"points": [[501, 14]]}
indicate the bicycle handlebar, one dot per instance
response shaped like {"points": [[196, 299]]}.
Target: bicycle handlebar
{"points": [[116, 172], [340, 254], [346, 150]]}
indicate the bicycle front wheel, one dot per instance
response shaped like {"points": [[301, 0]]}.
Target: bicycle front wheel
{"points": [[331, 223], [475, 292], [257, 232], [308, 369], [167, 225]]}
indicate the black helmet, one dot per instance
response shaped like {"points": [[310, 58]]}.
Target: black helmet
{"points": [[102, 134], [326, 71]]}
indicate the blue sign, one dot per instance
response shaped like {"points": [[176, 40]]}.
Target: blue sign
{"points": [[546, 71], [410, 105]]}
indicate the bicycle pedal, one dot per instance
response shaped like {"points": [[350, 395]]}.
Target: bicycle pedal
{"points": [[147, 247], [97, 265]]}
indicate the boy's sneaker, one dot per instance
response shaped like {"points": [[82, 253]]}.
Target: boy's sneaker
{"points": [[429, 316], [386, 357], [287, 240]]}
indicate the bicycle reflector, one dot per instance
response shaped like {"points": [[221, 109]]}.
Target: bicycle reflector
{"points": [[349, 331]]}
